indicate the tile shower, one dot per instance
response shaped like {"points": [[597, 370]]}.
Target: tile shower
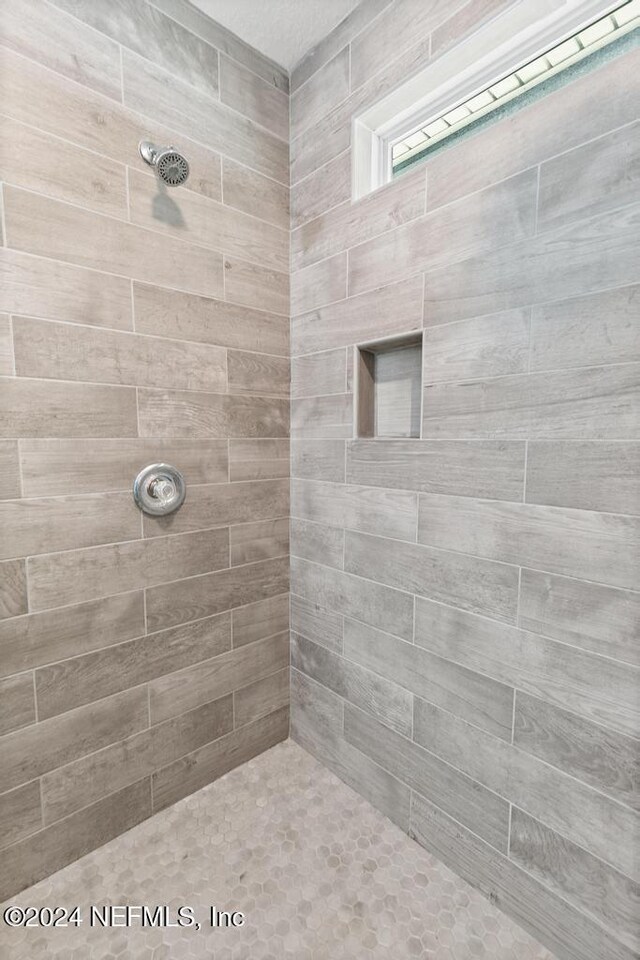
{"points": [[462, 597]]}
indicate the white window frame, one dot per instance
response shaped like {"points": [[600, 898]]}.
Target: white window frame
{"points": [[521, 33]]}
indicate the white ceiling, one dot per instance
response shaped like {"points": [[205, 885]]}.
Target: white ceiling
{"points": [[282, 29]]}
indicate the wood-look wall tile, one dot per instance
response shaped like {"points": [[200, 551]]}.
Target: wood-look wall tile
{"points": [[13, 588], [588, 615], [388, 702], [317, 459], [482, 810], [325, 188], [254, 97], [480, 586], [258, 459], [319, 284], [159, 94], [589, 475], [251, 192], [465, 693], [34, 526], [17, 704], [316, 724], [261, 698], [90, 778], [466, 468], [255, 286], [37, 408], [575, 113], [596, 254], [319, 374], [50, 849], [386, 608], [40, 638], [323, 417], [591, 179], [463, 22], [205, 765], [198, 219], [183, 316], [259, 541], [33, 286], [59, 169], [64, 45], [501, 214], [598, 688], [261, 619], [218, 505], [596, 403], [56, 580], [573, 543], [586, 331], [72, 683], [484, 347], [605, 759], [6, 347], [203, 596], [62, 351], [186, 689], [317, 542], [257, 373], [152, 35], [577, 876], [30, 752], [192, 414], [57, 467], [352, 223], [386, 513], [310, 620], [390, 311], [10, 483], [46, 227], [581, 814], [20, 813], [321, 92], [550, 920]]}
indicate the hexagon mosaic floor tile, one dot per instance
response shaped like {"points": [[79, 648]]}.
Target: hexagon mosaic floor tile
{"points": [[316, 871]]}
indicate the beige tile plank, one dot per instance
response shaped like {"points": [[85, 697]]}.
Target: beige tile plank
{"points": [[319, 284], [476, 585], [258, 459], [319, 374], [192, 414], [322, 417], [36, 408], [255, 286], [30, 752], [10, 483], [598, 688], [50, 849], [46, 227], [17, 704], [254, 97], [257, 373], [6, 347], [320, 191], [593, 617], [40, 638], [183, 316], [251, 192], [75, 576], [213, 760], [310, 620], [20, 813], [33, 286], [259, 541], [463, 22], [325, 89], [80, 680], [589, 475], [13, 588], [386, 513], [484, 347], [318, 542], [205, 595], [90, 778], [261, 698], [185, 689], [261, 619], [318, 459]]}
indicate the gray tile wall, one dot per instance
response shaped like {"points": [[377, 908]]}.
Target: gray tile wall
{"points": [[465, 607], [139, 659]]}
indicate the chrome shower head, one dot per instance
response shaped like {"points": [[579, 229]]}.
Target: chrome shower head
{"points": [[169, 164]]}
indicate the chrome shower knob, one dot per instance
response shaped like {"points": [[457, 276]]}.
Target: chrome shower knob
{"points": [[159, 489]]}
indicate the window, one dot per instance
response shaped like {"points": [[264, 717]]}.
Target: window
{"points": [[477, 81]]}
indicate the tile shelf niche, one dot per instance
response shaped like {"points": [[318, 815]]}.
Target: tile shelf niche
{"points": [[389, 387]]}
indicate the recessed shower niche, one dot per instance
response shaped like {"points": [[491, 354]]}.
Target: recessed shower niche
{"points": [[389, 387]]}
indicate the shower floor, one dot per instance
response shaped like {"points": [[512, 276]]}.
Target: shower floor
{"points": [[318, 873]]}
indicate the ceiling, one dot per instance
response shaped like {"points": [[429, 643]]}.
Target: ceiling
{"points": [[282, 29]]}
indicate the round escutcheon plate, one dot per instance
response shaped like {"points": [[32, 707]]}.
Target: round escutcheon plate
{"points": [[159, 489]]}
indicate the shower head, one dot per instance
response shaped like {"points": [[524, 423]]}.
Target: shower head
{"points": [[171, 166]]}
